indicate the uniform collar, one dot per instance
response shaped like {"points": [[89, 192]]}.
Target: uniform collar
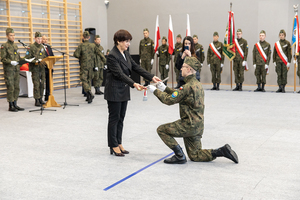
{"points": [[146, 38], [262, 42], [282, 40], [85, 41], [189, 77], [239, 39], [98, 45], [215, 42], [10, 42], [163, 45], [36, 44]]}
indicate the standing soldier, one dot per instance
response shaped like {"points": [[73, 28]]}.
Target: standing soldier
{"points": [[215, 60], [282, 56], [261, 59], [177, 50], [164, 59], [10, 58], [99, 65], [240, 60], [37, 51], [199, 48], [146, 52]]}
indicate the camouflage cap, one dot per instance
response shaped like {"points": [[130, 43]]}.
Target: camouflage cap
{"points": [[282, 31], [178, 36], [9, 30], [107, 51], [164, 38], [97, 36], [262, 32], [216, 33], [239, 30], [196, 36], [37, 34], [192, 62], [86, 34], [145, 29]]}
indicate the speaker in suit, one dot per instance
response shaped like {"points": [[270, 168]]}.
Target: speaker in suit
{"points": [[49, 52]]}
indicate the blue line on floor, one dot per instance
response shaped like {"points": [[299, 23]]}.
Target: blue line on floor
{"points": [[135, 173]]}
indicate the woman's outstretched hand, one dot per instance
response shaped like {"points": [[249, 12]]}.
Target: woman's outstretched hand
{"points": [[155, 79], [138, 86]]}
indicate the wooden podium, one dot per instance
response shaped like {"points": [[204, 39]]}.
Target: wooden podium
{"points": [[50, 60]]}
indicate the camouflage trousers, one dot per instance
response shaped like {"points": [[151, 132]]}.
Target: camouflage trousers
{"points": [[298, 70], [215, 73], [281, 71], [12, 80], [86, 76], [238, 69], [98, 78], [260, 73], [38, 79], [146, 64], [192, 140], [163, 72]]}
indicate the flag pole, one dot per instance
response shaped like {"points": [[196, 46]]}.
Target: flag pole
{"points": [[295, 63], [156, 63], [231, 60]]}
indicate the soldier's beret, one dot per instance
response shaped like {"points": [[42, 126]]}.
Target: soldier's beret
{"points": [[86, 34], [97, 36], [239, 30], [179, 35], [216, 33], [192, 62], [145, 29], [164, 38], [196, 36], [9, 30], [282, 31], [262, 31], [37, 34]]}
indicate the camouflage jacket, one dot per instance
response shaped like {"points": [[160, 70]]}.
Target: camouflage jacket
{"points": [[9, 52], [199, 48], [36, 51], [146, 49], [286, 48], [163, 54], [244, 46], [211, 56], [100, 60], [177, 50], [257, 59], [86, 53]]}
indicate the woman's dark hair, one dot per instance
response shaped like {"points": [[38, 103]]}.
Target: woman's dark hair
{"points": [[122, 35], [189, 38]]}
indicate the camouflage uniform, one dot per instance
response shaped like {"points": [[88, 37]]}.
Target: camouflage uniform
{"points": [[215, 62], [238, 67], [199, 48], [146, 52], [164, 59], [99, 62], [260, 71], [177, 50]]}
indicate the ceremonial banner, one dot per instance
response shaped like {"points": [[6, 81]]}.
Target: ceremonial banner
{"points": [[295, 36], [171, 36], [157, 35], [188, 27], [229, 42]]}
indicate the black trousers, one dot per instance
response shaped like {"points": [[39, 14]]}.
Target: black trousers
{"points": [[47, 92], [117, 111]]}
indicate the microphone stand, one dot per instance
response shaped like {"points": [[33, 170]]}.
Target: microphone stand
{"points": [[65, 86]]}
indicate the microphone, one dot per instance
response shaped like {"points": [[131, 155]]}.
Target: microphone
{"points": [[47, 45], [22, 43]]}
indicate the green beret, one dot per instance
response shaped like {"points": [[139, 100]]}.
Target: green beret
{"points": [[179, 35], [9, 30], [216, 33], [86, 34], [37, 34], [239, 30], [192, 62], [145, 29], [97, 36], [282, 31], [196, 36], [164, 38], [262, 31]]}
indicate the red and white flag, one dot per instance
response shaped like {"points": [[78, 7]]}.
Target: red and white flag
{"points": [[171, 36], [157, 35], [188, 27]]}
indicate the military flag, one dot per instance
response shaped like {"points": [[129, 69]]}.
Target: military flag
{"points": [[229, 39], [171, 37], [188, 27], [157, 35], [295, 36]]}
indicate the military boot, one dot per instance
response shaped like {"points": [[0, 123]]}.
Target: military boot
{"points": [[178, 158], [299, 91], [218, 86], [41, 101], [258, 88], [97, 91], [12, 107], [37, 102], [279, 89], [237, 87], [241, 87], [283, 88], [17, 107], [90, 97], [214, 87], [263, 87], [226, 152]]}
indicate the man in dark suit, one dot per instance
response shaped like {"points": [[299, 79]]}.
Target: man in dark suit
{"points": [[49, 52]]}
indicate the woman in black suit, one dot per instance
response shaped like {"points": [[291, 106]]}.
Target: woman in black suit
{"points": [[117, 91]]}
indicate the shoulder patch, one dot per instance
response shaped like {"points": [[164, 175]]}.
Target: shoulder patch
{"points": [[174, 94]]}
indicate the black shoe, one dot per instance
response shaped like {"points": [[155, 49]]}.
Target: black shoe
{"points": [[41, 101], [116, 154], [236, 88], [241, 87], [37, 103], [101, 92], [146, 83], [17, 107], [214, 87], [226, 152], [283, 88], [178, 158], [279, 89], [258, 89], [85, 95], [12, 107], [90, 97], [97, 91], [124, 151], [299, 91], [218, 86], [263, 87]]}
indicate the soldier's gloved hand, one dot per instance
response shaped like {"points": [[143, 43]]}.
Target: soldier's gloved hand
{"points": [[274, 64], [208, 65], [151, 88], [161, 86], [167, 67], [96, 68], [105, 67], [294, 61], [39, 60], [244, 63], [201, 64], [140, 61], [152, 61], [266, 66], [222, 65], [157, 52], [14, 63], [288, 65], [254, 66]]}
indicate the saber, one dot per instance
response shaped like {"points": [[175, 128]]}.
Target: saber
{"points": [[160, 81]]}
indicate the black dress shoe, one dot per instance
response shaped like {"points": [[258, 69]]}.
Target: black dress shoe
{"points": [[124, 151], [116, 154]]}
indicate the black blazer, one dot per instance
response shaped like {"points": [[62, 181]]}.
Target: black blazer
{"points": [[118, 75], [50, 51]]}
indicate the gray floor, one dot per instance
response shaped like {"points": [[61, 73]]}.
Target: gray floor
{"points": [[64, 154]]}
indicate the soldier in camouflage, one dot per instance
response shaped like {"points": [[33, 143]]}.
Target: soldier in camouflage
{"points": [[10, 58], [37, 68], [191, 125], [146, 53], [260, 65], [281, 67], [199, 48], [177, 50], [214, 62], [99, 65], [240, 62], [164, 59]]}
